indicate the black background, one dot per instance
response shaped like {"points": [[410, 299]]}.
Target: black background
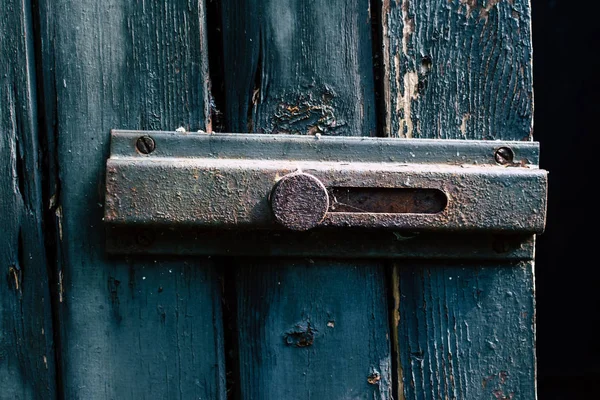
{"points": [[567, 92]]}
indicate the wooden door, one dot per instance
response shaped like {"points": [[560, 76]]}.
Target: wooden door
{"points": [[251, 328]]}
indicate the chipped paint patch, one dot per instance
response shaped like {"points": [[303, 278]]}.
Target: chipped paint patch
{"points": [[404, 103], [59, 217], [408, 27], [463, 124], [374, 378], [15, 277], [485, 10], [301, 335], [385, 36], [308, 116], [394, 328], [61, 290], [470, 5]]}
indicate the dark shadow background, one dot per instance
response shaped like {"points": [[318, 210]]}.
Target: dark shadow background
{"points": [[566, 68]]}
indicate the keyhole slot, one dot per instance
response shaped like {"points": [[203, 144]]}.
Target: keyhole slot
{"points": [[386, 200]]}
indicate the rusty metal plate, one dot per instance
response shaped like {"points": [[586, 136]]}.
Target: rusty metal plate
{"points": [[269, 185]]}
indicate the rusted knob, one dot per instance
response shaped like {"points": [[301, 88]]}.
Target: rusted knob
{"points": [[299, 201]]}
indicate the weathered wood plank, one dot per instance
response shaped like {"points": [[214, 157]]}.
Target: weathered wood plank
{"points": [[312, 329], [461, 69], [307, 328], [458, 69], [27, 368], [143, 327], [299, 67], [466, 332]]}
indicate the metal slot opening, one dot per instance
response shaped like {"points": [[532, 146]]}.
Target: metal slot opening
{"points": [[386, 200]]}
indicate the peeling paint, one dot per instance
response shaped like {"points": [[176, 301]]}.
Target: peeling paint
{"points": [[386, 53], [404, 103], [470, 5], [61, 290], [308, 116], [374, 378], [394, 329], [59, 217], [408, 27], [463, 125], [302, 335], [485, 11], [15, 276]]}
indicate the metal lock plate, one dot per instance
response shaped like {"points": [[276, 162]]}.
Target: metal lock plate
{"points": [[249, 194]]}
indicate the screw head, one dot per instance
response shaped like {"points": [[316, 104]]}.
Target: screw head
{"points": [[299, 201], [145, 144], [504, 156]]}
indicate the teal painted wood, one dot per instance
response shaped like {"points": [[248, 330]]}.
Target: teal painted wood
{"points": [[461, 69], [458, 69], [27, 368], [312, 329], [140, 327], [307, 328], [299, 67], [466, 332]]}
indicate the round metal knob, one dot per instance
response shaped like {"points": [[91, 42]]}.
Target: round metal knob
{"points": [[299, 201]]}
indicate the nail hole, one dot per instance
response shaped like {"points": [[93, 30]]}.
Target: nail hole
{"points": [[426, 64]]}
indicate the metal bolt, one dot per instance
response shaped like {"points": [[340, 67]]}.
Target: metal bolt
{"points": [[504, 156], [299, 201], [145, 144]]}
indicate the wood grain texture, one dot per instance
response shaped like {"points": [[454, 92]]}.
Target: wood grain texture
{"points": [[461, 70], [458, 69], [142, 327], [307, 328], [466, 332], [312, 329], [27, 368], [299, 67]]}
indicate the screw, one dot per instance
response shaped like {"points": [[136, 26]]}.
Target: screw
{"points": [[504, 155], [145, 144]]}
